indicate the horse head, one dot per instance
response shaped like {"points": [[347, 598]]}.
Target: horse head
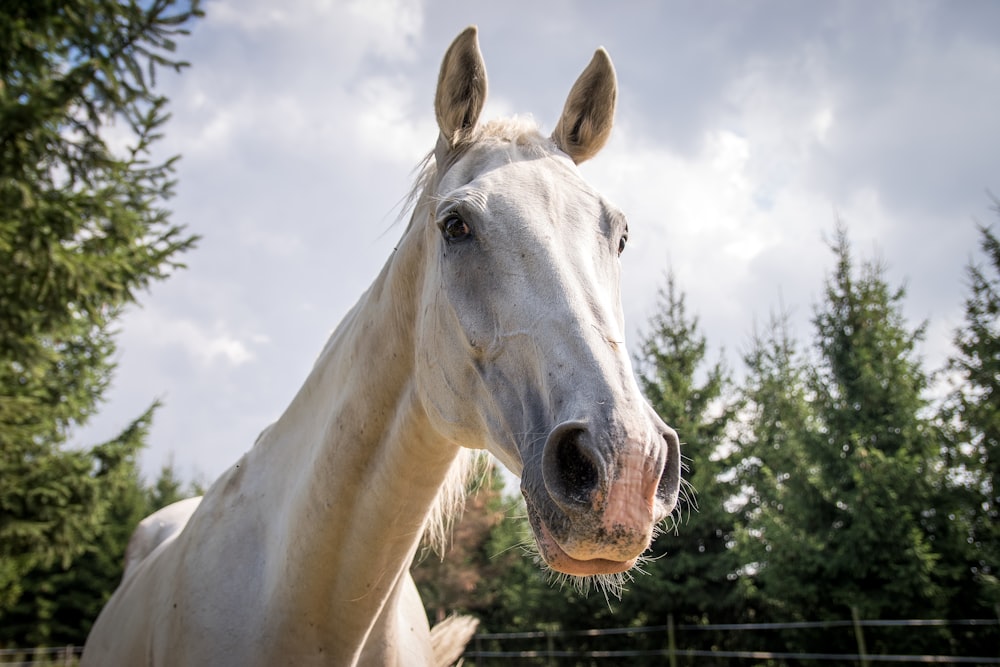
{"points": [[521, 332]]}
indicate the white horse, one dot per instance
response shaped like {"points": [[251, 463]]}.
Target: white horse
{"points": [[496, 324]]}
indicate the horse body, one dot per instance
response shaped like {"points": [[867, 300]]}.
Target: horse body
{"points": [[496, 325]]}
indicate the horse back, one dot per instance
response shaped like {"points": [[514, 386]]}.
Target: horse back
{"points": [[156, 528]]}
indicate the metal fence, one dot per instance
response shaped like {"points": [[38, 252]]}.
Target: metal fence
{"points": [[668, 645], [664, 645], [46, 656]]}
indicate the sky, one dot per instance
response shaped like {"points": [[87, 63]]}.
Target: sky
{"points": [[744, 131]]}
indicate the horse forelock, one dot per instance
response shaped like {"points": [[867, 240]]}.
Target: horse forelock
{"points": [[521, 131]]}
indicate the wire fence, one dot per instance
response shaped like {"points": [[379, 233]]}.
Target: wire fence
{"points": [[844, 642], [698, 644], [45, 656]]}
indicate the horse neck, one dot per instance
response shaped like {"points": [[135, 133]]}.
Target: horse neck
{"points": [[354, 462]]}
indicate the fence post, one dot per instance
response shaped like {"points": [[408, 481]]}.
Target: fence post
{"points": [[671, 641], [859, 635]]}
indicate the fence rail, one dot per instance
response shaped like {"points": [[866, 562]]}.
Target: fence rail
{"points": [[69, 655], [47, 656], [671, 651]]}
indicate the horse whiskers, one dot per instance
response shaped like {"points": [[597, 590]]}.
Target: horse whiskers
{"points": [[610, 585], [524, 545]]}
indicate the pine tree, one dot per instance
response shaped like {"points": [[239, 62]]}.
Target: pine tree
{"points": [[82, 228], [842, 464], [774, 473], [167, 489], [874, 455], [695, 577], [59, 604], [973, 415]]}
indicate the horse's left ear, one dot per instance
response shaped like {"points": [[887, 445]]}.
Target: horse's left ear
{"points": [[461, 90], [589, 113]]}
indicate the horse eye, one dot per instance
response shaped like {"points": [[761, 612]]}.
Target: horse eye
{"points": [[621, 243], [455, 229]]}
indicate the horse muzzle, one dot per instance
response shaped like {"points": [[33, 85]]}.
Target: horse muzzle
{"points": [[600, 498]]}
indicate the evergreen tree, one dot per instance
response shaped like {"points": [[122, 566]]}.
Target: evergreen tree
{"points": [[59, 604], [167, 489], [841, 464], [82, 229], [973, 415], [695, 577], [845, 463], [774, 472], [874, 455]]}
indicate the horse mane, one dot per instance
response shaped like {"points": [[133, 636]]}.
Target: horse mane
{"points": [[470, 465], [468, 469]]}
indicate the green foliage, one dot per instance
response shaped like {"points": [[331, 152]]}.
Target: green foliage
{"points": [[167, 489], [841, 462], [874, 453], [61, 601], [773, 470], [695, 575], [82, 229], [972, 424]]}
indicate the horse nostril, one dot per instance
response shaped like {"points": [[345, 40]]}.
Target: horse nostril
{"points": [[570, 474], [668, 487]]}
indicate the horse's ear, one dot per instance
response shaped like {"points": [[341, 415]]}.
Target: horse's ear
{"points": [[589, 113], [461, 89]]}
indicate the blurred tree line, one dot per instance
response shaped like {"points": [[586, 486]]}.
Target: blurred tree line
{"points": [[826, 482]]}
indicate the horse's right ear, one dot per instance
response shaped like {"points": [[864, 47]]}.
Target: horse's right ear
{"points": [[461, 89]]}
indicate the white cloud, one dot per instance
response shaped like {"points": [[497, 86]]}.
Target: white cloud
{"points": [[390, 124], [740, 135], [207, 344], [822, 123], [353, 29], [248, 17], [394, 24]]}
